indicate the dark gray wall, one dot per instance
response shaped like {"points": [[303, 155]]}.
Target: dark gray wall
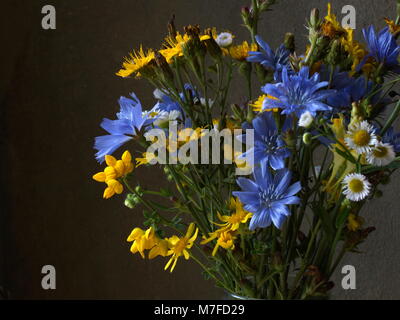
{"points": [[57, 87]]}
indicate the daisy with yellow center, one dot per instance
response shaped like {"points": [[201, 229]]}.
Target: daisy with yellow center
{"points": [[179, 246], [136, 62], [240, 52], [115, 169], [142, 240], [260, 104], [356, 187], [381, 154], [361, 137]]}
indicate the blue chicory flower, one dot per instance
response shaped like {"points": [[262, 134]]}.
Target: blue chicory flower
{"points": [[267, 196], [269, 147], [130, 121], [298, 93], [269, 59], [383, 48]]}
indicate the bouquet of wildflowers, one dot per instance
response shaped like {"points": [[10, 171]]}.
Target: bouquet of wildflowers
{"points": [[266, 194]]}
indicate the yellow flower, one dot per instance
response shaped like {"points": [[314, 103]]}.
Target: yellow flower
{"points": [[115, 169], [113, 187], [147, 157], [226, 234], [340, 166], [393, 27], [354, 222], [232, 222], [173, 46], [240, 52], [356, 51], [142, 240], [136, 62], [258, 104], [160, 249], [331, 27], [179, 246]]}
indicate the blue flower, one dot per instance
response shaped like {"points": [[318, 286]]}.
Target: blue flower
{"points": [[392, 138], [268, 196], [382, 47], [130, 121], [269, 59], [298, 93], [359, 89], [165, 102], [269, 147]]}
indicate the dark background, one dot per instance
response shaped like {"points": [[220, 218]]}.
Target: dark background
{"points": [[57, 85]]}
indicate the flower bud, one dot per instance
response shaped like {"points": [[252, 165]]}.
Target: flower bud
{"points": [[307, 138], [314, 18], [131, 201], [290, 42], [306, 119], [163, 66], [333, 57]]}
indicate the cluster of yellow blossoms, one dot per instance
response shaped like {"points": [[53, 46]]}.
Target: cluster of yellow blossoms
{"points": [[227, 233], [115, 169], [174, 246], [333, 29], [174, 47]]}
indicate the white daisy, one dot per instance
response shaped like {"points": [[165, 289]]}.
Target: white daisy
{"points": [[306, 119], [356, 187], [381, 154], [224, 39], [361, 137]]}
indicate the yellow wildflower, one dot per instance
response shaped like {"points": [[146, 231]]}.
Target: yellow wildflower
{"points": [[331, 27], [226, 234], [136, 62], [142, 240], [160, 249], [354, 222], [232, 222], [179, 246], [115, 169], [258, 104], [393, 27], [147, 157], [240, 52], [341, 166]]}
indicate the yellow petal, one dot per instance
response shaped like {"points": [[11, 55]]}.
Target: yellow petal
{"points": [[110, 160], [110, 173], [119, 168], [100, 177], [135, 234], [126, 158], [108, 193]]}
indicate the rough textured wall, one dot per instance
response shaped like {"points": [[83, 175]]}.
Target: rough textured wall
{"points": [[57, 87]]}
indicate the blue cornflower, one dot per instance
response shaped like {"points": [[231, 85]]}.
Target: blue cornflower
{"points": [[269, 59], [269, 147], [298, 93], [130, 120], [392, 138], [337, 79], [268, 196], [382, 47]]}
